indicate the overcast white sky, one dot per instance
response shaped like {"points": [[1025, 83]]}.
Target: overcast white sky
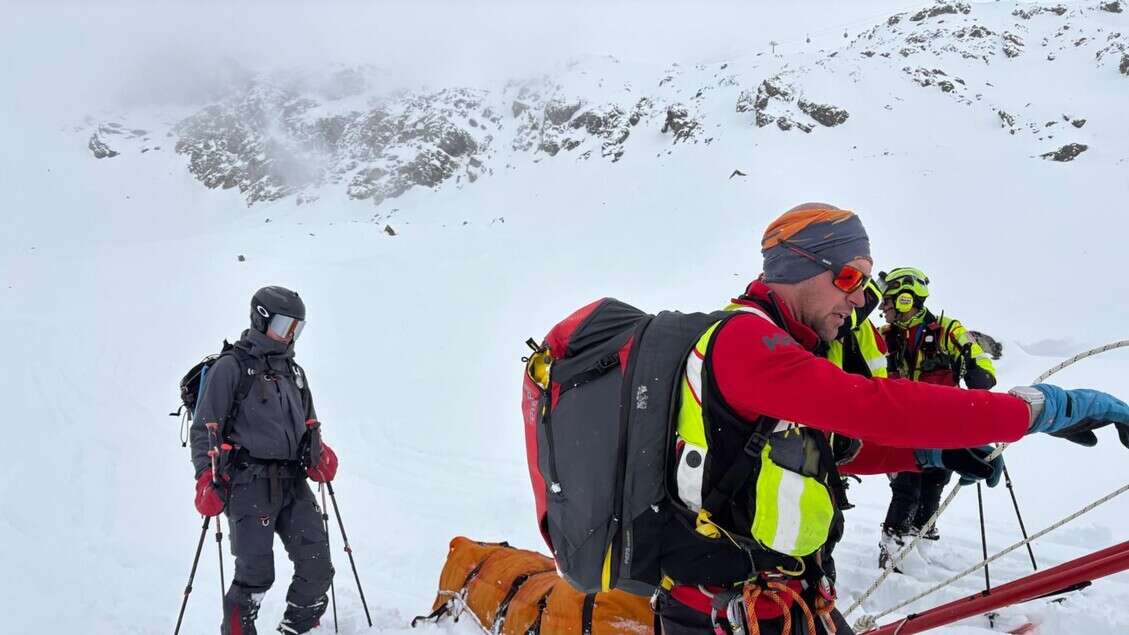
{"points": [[81, 56]]}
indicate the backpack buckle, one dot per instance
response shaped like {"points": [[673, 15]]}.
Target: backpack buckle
{"points": [[757, 441]]}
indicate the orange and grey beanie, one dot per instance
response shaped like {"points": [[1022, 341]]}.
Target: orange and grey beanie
{"points": [[824, 230]]}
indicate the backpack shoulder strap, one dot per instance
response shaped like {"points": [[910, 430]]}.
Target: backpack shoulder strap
{"points": [[741, 468], [247, 373], [748, 460]]}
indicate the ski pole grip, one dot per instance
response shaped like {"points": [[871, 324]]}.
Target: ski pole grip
{"points": [[214, 452]]}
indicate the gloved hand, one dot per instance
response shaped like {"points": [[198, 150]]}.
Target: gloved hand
{"points": [[970, 463], [1074, 414], [210, 500], [326, 468]]}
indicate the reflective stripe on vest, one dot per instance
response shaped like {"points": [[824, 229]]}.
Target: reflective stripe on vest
{"points": [[793, 512]]}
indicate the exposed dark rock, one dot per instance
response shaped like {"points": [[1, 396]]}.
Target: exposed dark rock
{"points": [[772, 88], [388, 230], [975, 31], [592, 121], [456, 142], [550, 148], [1078, 123], [1007, 120], [1027, 14], [785, 123], [429, 168], [746, 101], [988, 343], [679, 123], [1124, 64], [1013, 44], [366, 183], [609, 123], [268, 142], [1112, 7], [518, 107], [826, 115], [1066, 152], [559, 112], [941, 8], [99, 148]]}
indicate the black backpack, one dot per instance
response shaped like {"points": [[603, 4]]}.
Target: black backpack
{"points": [[598, 399], [192, 383]]}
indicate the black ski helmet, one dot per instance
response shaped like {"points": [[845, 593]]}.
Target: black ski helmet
{"points": [[269, 301]]}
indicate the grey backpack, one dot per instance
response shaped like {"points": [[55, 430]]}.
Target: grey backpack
{"points": [[598, 401]]}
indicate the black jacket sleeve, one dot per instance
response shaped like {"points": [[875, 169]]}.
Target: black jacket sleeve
{"points": [[213, 405]]}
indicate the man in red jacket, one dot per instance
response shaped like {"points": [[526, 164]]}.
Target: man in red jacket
{"points": [[755, 378]]}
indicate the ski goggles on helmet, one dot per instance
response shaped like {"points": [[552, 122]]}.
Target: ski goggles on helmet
{"points": [[285, 328], [904, 280], [846, 278]]}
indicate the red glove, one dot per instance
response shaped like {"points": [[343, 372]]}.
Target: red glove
{"points": [[209, 500], [326, 468]]}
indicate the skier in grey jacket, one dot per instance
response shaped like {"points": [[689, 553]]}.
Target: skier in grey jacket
{"points": [[255, 437]]}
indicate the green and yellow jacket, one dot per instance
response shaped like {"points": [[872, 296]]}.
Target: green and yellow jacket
{"points": [[937, 351]]}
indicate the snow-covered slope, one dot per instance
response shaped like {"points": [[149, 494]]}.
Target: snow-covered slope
{"points": [[118, 273]]}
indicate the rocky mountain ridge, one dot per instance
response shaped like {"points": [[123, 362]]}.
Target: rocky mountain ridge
{"points": [[276, 137]]}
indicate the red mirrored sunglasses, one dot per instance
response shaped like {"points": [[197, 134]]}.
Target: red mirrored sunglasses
{"points": [[846, 278]]}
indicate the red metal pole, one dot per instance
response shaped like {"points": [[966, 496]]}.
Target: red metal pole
{"points": [[1096, 565]]}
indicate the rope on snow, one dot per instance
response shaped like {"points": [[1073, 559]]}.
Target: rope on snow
{"points": [[868, 621]]}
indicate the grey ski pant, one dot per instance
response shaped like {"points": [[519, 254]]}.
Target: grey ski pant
{"points": [[265, 501]]}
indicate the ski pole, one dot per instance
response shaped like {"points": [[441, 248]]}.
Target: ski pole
{"points": [[984, 547], [349, 551], [192, 574], [325, 523], [214, 455], [1022, 528], [219, 550]]}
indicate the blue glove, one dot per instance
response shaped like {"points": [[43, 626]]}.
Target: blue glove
{"points": [[1075, 414], [971, 464]]}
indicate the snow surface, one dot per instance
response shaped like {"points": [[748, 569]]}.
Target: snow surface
{"points": [[118, 274]]}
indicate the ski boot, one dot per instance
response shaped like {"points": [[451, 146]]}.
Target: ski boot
{"points": [[301, 618], [240, 609], [932, 534], [890, 544]]}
